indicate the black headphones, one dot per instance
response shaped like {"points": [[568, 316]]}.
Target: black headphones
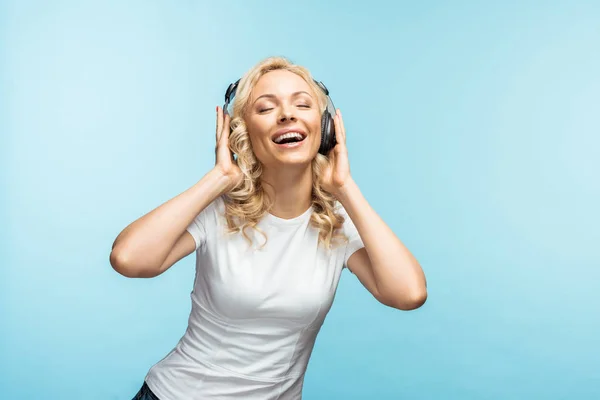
{"points": [[327, 125]]}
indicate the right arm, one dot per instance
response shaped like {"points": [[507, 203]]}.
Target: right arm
{"points": [[150, 245]]}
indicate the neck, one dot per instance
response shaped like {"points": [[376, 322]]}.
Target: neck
{"points": [[290, 190]]}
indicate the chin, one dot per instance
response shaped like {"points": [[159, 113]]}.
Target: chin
{"points": [[294, 160]]}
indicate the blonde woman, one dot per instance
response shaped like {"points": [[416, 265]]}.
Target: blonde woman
{"points": [[272, 229]]}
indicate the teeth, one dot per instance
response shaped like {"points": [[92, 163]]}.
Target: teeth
{"points": [[296, 135]]}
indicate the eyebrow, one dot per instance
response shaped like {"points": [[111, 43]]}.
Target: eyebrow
{"points": [[273, 96]]}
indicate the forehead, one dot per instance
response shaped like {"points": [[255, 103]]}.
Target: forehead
{"points": [[280, 83]]}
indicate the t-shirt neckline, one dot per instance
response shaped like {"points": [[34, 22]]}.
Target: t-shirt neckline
{"points": [[289, 221]]}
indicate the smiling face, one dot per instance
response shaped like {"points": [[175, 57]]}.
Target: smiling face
{"points": [[283, 120]]}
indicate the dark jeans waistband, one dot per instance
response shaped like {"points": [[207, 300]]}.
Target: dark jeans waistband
{"points": [[145, 393]]}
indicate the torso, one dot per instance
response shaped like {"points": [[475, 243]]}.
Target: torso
{"points": [[255, 313]]}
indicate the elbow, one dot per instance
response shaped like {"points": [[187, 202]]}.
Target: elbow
{"points": [[416, 301], [407, 302], [122, 264]]}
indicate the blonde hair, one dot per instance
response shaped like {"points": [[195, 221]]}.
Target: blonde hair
{"points": [[248, 202]]}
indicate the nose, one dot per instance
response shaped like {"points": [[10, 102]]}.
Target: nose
{"points": [[286, 115]]}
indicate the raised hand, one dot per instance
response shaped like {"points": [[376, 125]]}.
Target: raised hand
{"points": [[224, 162], [337, 174]]}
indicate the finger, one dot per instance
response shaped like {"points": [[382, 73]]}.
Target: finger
{"points": [[339, 138], [342, 125], [226, 128], [226, 134], [219, 123]]}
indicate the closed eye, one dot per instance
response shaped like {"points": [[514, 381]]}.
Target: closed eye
{"points": [[262, 110]]}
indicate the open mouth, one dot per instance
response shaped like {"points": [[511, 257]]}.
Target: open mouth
{"points": [[289, 138]]}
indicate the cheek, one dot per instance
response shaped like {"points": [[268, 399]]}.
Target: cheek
{"points": [[258, 144], [255, 133], [312, 121], [316, 126]]}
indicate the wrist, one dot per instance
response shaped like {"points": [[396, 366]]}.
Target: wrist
{"points": [[346, 190], [223, 182]]}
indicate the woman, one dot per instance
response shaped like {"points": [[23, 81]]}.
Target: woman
{"points": [[272, 230]]}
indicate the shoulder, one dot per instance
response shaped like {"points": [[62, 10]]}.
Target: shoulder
{"points": [[218, 205], [216, 209], [210, 214], [339, 209], [348, 227]]}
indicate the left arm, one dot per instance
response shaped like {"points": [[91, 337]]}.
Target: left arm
{"points": [[384, 266]]}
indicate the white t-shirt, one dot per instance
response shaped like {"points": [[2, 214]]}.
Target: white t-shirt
{"points": [[255, 313]]}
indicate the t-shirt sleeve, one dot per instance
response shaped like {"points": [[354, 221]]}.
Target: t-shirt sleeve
{"points": [[354, 241], [198, 227]]}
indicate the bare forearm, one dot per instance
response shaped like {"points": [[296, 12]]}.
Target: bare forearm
{"points": [[397, 273], [146, 242]]}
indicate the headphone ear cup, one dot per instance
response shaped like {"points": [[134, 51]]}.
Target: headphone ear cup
{"points": [[328, 141]]}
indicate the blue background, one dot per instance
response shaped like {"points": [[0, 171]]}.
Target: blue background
{"points": [[473, 129]]}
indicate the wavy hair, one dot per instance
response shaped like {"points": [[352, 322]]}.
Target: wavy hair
{"points": [[248, 202]]}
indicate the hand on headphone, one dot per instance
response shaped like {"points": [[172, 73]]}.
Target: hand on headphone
{"points": [[337, 174], [224, 162]]}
